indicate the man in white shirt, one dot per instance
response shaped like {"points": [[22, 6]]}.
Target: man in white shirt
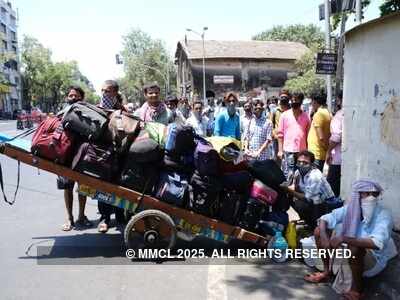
{"points": [[200, 123]]}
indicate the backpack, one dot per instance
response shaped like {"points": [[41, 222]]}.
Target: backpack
{"points": [[85, 119], [140, 177], [206, 159], [145, 150], [123, 128], [180, 140], [268, 172], [263, 193], [52, 142], [251, 216], [230, 206], [172, 188], [97, 161], [205, 196]]}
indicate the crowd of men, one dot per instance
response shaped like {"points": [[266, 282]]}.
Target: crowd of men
{"points": [[304, 143]]}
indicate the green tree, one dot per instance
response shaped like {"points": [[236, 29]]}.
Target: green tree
{"points": [[307, 81], [310, 35], [145, 60], [389, 6]]}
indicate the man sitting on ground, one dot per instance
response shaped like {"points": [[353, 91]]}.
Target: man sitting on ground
{"points": [[365, 226], [310, 190]]}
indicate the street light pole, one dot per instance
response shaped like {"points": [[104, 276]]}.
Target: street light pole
{"points": [[204, 61]]}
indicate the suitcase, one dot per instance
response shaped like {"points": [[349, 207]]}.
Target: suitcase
{"points": [[180, 140], [96, 161], [205, 196], [268, 172], [140, 177], [206, 159], [145, 150], [230, 206], [251, 216], [173, 188], [52, 142], [86, 119]]}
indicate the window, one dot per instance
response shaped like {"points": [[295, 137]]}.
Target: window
{"points": [[13, 36], [13, 21], [14, 49], [5, 45], [3, 13], [3, 28]]}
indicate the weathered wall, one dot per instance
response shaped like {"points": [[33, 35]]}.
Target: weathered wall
{"points": [[371, 142]]}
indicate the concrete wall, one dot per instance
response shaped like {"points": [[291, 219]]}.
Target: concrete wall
{"points": [[371, 142]]}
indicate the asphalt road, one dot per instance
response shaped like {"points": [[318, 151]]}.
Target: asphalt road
{"points": [[98, 271]]}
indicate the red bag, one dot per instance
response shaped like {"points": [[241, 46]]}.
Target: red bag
{"points": [[263, 193], [50, 141]]}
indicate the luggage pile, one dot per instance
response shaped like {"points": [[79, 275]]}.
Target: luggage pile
{"points": [[169, 162]]}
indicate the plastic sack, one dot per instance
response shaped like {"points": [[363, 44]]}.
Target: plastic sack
{"points": [[291, 235]]}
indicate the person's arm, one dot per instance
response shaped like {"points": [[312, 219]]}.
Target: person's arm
{"points": [[331, 146], [280, 132]]}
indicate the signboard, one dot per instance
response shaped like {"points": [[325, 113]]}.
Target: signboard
{"points": [[337, 6], [326, 63], [223, 79]]}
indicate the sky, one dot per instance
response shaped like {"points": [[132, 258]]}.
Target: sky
{"points": [[91, 31]]}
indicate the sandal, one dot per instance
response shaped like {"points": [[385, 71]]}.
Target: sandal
{"points": [[102, 227], [68, 226], [352, 295], [317, 277], [84, 222]]}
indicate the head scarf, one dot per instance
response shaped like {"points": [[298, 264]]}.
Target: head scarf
{"points": [[352, 218]]}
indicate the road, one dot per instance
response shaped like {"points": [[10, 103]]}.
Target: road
{"points": [[98, 272]]}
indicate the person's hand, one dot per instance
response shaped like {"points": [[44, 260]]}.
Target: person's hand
{"points": [[280, 154], [325, 243], [328, 158], [336, 241]]}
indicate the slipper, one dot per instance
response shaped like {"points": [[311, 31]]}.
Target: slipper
{"points": [[352, 295], [68, 226], [316, 277], [84, 222], [102, 227]]}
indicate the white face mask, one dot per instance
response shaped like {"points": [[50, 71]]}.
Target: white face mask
{"points": [[368, 206]]}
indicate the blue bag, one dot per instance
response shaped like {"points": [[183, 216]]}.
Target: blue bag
{"points": [[172, 188]]}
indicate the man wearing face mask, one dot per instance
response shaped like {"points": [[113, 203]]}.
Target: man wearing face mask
{"points": [[199, 122], [184, 107], [310, 190], [227, 123], [248, 114], [364, 226], [172, 104], [110, 99], [293, 128]]}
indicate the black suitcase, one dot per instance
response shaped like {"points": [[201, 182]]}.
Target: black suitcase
{"points": [[251, 216], [230, 206], [205, 194], [86, 119], [268, 172], [140, 177]]}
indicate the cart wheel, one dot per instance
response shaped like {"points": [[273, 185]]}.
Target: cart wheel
{"points": [[152, 229]]}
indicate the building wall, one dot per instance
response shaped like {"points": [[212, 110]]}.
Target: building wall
{"points": [[9, 43], [371, 142]]}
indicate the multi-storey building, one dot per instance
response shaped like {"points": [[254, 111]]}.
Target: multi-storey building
{"points": [[10, 78]]}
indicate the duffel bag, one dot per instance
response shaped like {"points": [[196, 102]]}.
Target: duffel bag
{"points": [[180, 140], [227, 148], [145, 150], [206, 191], [140, 177], [52, 142], [268, 172], [230, 206], [240, 181], [97, 161], [263, 193], [206, 159], [86, 120], [123, 128], [172, 188], [251, 216]]}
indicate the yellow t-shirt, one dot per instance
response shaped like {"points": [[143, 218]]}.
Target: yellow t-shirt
{"points": [[322, 119]]}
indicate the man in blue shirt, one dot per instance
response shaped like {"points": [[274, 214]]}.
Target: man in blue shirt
{"points": [[227, 123]]}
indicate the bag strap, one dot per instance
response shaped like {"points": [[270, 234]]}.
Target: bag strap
{"points": [[2, 184]]}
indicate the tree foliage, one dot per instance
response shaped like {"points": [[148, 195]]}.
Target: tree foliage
{"points": [[389, 6], [310, 35], [45, 81], [307, 81], [145, 60]]}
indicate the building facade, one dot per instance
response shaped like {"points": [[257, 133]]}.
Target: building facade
{"points": [[241, 66], [10, 82], [371, 103]]}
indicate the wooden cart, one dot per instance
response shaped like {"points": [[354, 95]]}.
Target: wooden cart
{"points": [[155, 224]]}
